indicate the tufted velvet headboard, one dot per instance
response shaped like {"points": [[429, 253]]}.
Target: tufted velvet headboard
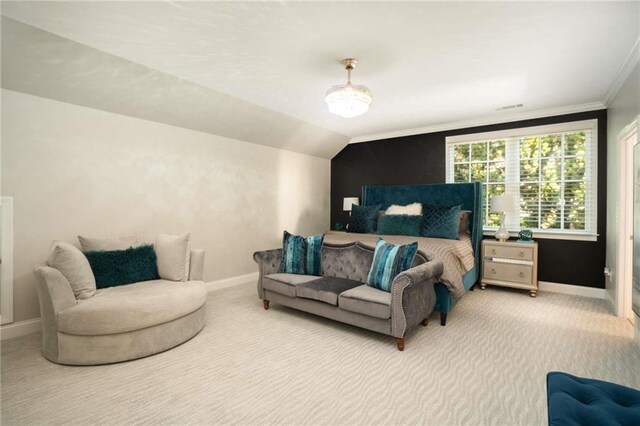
{"points": [[469, 195]]}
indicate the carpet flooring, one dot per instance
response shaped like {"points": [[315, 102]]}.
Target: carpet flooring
{"points": [[250, 366]]}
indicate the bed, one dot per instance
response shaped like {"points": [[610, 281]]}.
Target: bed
{"points": [[461, 258]]}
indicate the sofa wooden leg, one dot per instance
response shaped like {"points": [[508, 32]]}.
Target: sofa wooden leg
{"points": [[425, 322], [443, 319], [400, 343], [265, 303]]}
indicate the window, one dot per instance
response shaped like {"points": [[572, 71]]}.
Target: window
{"points": [[551, 170]]}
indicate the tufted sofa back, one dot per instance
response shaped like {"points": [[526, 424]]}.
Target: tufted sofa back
{"points": [[352, 260]]}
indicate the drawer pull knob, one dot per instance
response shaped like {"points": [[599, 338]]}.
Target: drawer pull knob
{"points": [[521, 274], [493, 271], [521, 254], [493, 251]]}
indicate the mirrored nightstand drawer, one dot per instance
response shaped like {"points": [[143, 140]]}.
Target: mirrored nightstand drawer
{"points": [[508, 272]]}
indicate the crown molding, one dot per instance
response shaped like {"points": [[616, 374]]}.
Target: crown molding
{"points": [[623, 73], [483, 121]]}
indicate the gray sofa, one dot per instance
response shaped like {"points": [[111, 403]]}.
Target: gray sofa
{"points": [[340, 293], [119, 323]]}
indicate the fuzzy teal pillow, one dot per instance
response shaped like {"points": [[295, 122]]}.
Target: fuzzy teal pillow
{"points": [[399, 224], [119, 267]]}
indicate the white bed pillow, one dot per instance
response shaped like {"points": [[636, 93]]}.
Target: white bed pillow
{"points": [[173, 253], [101, 244], [414, 209], [75, 267]]}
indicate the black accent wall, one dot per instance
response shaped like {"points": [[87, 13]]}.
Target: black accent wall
{"points": [[421, 159]]}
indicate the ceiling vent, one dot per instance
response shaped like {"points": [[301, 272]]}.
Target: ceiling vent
{"points": [[507, 107]]}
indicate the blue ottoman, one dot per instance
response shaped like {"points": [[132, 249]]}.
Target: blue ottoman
{"points": [[573, 400]]}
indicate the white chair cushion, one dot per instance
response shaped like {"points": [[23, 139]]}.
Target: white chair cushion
{"points": [[75, 267], [173, 256], [100, 244], [132, 307]]}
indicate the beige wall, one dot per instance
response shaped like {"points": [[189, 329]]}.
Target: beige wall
{"points": [[75, 170], [624, 108]]}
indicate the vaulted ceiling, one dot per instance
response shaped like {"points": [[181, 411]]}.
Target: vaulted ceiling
{"points": [[427, 63]]}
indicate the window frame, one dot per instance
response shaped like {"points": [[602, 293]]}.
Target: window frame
{"points": [[591, 216]]}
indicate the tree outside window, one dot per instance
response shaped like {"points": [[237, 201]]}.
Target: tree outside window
{"points": [[548, 172]]}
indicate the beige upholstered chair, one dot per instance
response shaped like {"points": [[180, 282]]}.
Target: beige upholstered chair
{"points": [[119, 323]]}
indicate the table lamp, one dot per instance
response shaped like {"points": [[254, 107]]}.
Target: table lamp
{"points": [[502, 204], [348, 202]]}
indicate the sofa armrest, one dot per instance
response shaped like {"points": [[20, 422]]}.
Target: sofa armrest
{"points": [[268, 263], [413, 296], [196, 264]]}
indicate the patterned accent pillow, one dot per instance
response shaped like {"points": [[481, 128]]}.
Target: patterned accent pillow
{"points": [[388, 261], [314, 254], [440, 222], [301, 255], [363, 219], [293, 254], [399, 224]]}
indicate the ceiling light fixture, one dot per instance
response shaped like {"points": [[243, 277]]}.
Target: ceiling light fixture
{"points": [[348, 100]]}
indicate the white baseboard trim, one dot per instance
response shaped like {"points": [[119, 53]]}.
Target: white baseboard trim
{"points": [[22, 328], [576, 290], [19, 328], [230, 282], [610, 302]]}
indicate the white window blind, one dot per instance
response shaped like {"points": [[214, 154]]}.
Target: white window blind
{"points": [[551, 170]]}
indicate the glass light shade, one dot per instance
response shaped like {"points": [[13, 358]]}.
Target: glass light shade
{"points": [[348, 100], [348, 202], [503, 203]]}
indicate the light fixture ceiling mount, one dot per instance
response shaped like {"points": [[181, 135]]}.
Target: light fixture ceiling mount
{"points": [[348, 100]]}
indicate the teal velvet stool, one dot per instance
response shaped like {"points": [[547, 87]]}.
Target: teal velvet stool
{"points": [[577, 401]]}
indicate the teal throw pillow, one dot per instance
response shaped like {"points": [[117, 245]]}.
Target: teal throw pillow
{"points": [[399, 224], [388, 261], [363, 219], [119, 267], [314, 253], [301, 255], [293, 254], [440, 222]]}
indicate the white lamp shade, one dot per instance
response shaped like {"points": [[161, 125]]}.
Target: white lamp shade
{"points": [[348, 202], [503, 203]]}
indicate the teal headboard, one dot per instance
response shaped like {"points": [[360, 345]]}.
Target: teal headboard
{"points": [[446, 194]]}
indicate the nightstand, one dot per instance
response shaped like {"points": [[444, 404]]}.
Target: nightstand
{"points": [[510, 264]]}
